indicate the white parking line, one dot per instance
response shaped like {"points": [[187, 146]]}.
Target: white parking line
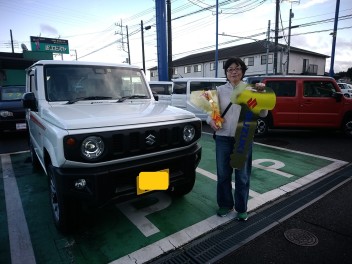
{"points": [[20, 241]]}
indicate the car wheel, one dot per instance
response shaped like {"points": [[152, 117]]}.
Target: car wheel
{"points": [[185, 188], [34, 158], [262, 127], [63, 209], [347, 126]]}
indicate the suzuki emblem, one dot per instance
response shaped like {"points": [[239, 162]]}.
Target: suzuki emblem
{"points": [[150, 140]]}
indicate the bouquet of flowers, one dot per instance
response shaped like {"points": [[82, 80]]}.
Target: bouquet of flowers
{"points": [[208, 102]]}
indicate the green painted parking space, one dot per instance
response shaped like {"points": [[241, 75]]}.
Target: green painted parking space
{"points": [[139, 230]]}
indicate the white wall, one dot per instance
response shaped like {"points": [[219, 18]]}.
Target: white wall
{"points": [[295, 67]]}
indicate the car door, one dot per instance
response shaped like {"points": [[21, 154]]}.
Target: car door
{"points": [[179, 96], [318, 107], [35, 125], [286, 110]]}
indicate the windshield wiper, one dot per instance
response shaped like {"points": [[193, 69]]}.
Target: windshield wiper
{"points": [[88, 98], [131, 97]]}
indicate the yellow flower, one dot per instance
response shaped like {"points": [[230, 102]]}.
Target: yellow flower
{"points": [[208, 102]]}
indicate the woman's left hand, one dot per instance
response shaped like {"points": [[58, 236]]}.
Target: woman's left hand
{"points": [[260, 87]]}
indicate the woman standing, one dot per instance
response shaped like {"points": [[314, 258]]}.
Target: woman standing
{"points": [[235, 69]]}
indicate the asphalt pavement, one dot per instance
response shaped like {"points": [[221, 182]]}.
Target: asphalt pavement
{"points": [[313, 225], [321, 233]]}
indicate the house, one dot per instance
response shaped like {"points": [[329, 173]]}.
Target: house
{"points": [[256, 55]]}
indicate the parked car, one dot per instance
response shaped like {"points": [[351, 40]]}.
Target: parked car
{"points": [[12, 113], [306, 102], [183, 87], [346, 89], [163, 89], [94, 127]]}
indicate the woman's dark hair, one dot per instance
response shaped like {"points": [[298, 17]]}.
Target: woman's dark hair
{"points": [[238, 62]]}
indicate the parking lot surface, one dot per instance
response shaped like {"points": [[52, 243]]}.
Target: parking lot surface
{"points": [[144, 229]]}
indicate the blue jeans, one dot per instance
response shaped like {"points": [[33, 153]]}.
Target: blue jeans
{"points": [[224, 149]]}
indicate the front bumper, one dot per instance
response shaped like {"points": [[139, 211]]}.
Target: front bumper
{"points": [[116, 183]]}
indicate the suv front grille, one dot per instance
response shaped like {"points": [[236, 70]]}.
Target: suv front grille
{"points": [[145, 141], [133, 142]]}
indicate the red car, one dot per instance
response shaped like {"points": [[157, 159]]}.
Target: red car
{"points": [[306, 102]]}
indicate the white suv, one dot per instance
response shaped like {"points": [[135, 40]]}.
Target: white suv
{"points": [[95, 126], [346, 89]]}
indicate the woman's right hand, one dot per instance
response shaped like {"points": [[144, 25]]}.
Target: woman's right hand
{"points": [[213, 125]]}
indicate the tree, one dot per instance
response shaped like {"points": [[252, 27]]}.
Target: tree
{"points": [[349, 73]]}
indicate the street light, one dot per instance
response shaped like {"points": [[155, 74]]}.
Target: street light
{"points": [[142, 32]]}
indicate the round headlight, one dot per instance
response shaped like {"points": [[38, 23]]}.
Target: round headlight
{"points": [[188, 133], [92, 147]]}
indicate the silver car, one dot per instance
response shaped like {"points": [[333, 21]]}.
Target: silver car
{"points": [[346, 89]]}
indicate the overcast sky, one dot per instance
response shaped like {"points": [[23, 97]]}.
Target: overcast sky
{"points": [[96, 30]]}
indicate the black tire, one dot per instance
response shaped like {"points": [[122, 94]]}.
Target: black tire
{"points": [[185, 188], [34, 158], [347, 126], [64, 210], [262, 127]]}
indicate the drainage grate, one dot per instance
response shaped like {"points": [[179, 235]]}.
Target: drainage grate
{"points": [[301, 237], [215, 245]]}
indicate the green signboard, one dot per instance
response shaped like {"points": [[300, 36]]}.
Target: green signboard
{"points": [[50, 45]]}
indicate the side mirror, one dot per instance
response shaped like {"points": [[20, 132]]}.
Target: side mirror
{"points": [[156, 96], [29, 101], [337, 96]]}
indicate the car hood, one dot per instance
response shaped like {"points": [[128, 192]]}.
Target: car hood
{"points": [[105, 114]]}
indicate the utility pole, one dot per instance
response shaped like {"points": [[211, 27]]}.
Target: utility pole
{"points": [[142, 33], [289, 42], [289, 34], [75, 53], [216, 38], [267, 49], [128, 46], [276, 34], [13, 51], [122, 41]]}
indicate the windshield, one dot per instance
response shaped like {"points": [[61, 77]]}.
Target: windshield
{"points": [[11, 93], [77, 82]]}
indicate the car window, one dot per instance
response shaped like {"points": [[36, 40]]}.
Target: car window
{"points": [[75, 82], [159, 88], [283, 88], [12, 93], [180, 87], [318, 89], [200, 86]]}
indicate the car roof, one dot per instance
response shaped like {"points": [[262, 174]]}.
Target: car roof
{"points": [[160, 82], [83, 63], [199, 79]]}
